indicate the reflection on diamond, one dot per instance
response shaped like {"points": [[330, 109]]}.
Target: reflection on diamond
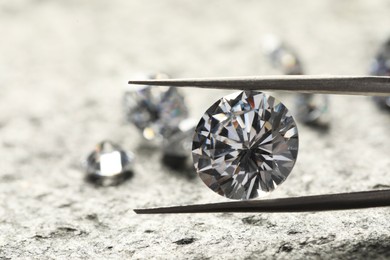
{"points": [[108, 164], [155, 111], [245, 145]]}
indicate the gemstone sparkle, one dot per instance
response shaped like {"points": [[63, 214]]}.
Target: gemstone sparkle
{"points": [[245, 145]]}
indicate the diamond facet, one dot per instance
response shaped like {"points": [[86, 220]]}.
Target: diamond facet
{"points": [[245, 145], [155, 111], [108, 164]]}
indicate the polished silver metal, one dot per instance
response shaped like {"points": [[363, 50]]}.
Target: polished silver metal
{"points": [[346, 85]]}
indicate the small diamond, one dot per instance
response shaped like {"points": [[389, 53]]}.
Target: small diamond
{"points": [[381, 67], [155, 111], [245, 145], [108, 164]]}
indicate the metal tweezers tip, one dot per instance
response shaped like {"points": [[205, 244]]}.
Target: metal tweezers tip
{"points": [[349, 85], [340, 201]]}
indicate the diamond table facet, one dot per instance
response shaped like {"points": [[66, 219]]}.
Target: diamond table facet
{"points": [[245, 145]]}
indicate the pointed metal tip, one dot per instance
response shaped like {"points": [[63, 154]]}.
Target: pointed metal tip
{"points": [[161, 210], [139, 211], [140, 82], [147, 211]]}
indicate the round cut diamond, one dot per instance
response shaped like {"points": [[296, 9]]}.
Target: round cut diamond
{"points": [[245, 145], [156, 111]]}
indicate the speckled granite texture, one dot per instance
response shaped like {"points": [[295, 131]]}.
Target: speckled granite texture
{"points": [[63, 68]]}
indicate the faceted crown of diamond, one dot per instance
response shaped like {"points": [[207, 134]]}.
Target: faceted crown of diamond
{"points": [[154, 110], [245, 145]]}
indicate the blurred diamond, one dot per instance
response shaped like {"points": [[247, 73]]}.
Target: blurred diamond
{"points": [[381, 67], [108, 164], [281, 56], [245, 145], [155, 111], [383, 102], [312, 110]]}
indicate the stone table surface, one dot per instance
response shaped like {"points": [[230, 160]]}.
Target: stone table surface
{"points": [[63, 68]]}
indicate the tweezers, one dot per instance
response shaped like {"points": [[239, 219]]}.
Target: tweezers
{"points": [[347, 85]]}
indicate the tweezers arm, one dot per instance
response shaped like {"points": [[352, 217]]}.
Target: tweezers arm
{"points": [[349, 85], [341, 201]]}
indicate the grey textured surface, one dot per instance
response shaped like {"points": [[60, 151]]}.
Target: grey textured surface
{"points": [[63, 67]]}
